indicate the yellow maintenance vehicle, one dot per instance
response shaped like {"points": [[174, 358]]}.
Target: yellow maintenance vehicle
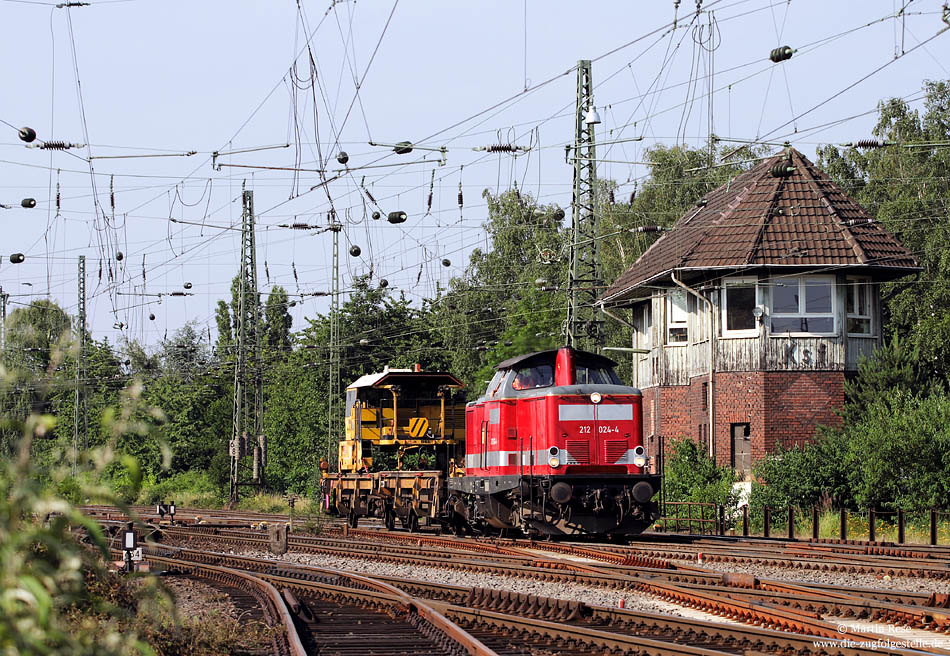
{"points": [[398, 410]]}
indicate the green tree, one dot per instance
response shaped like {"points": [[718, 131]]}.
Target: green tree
{"points": [[277, 321], [907, 188]]}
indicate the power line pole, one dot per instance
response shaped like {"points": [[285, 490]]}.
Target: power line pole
{"points": [[247, 435], [3, 319], [79, 400], [585, 278], [333, 418]]}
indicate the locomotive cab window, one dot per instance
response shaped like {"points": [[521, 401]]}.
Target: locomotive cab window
{"points": [[350, 401], [533, 377], [494, 384], [591, 375]]}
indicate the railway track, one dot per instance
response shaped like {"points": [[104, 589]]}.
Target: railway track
{"points": [[789, 607], [527, 624]]}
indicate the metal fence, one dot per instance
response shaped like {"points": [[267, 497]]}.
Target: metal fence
{"points": [[792, 523]]}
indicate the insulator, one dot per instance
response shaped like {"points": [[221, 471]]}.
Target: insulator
{"points": [[461, 199], [364, 342], [58, 197], [376, 216], [299, 226], [187, 285], [633, 196], [112, 192], [28, 203], [870, 143], [403, 148], [369, 195], [781, 170], [613, 201], [429, 203], [501, 148], [176, 293], [541, 282], [17, 258], [342, 157], [27, 134], [383, 283], [855, 222], [702, 202], [396, 217], [446, 262], [508, 342], [293, 304], [119, 256], [54, 145], [355, 250], [151, 317], [781, 54], [650, 229]]}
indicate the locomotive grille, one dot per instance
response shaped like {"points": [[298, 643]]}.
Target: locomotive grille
{"points": [[578, 452], [614, 450]]}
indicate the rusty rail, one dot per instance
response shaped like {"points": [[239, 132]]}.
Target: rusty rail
{"points": [[275, 609]]}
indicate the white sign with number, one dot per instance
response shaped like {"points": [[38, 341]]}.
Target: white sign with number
{"points": [[137, 554]]}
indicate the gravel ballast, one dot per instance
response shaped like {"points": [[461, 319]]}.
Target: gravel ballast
{"points": [[592, 596]]}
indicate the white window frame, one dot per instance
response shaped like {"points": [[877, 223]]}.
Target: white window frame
{"points": [[802, 280], [643, 324], [852, 284], [742, 281], [670, 324]]}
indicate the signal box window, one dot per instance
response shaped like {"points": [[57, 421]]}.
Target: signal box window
{"points": [[534, 377], [858, 302], [677, 317], [803, 305], [739, 300]]}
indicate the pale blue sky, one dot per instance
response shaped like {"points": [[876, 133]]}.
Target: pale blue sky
{"points": [[172, 77]]}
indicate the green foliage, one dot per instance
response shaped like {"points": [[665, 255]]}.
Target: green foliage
{"points": [[691, 475], [44, 570], [277, 321], [908, 191], [896, 456]]}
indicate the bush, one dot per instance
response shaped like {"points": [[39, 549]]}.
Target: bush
{"points": [[190, 488], [897, 455], [691, 475]]}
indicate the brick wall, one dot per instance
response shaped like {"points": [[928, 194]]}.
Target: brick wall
{"points": [[781, 407], [798, 402]]}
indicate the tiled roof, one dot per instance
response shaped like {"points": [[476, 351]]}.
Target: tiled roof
{"points": [[757, 219]]}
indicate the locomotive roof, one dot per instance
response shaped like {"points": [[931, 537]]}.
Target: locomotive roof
{"points": [[586, 356], [405, 376]]}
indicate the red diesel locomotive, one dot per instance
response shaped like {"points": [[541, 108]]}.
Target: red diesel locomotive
{"points": [[555, 447]]}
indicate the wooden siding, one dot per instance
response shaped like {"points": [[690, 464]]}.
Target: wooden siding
{"points": [[677, 364]]}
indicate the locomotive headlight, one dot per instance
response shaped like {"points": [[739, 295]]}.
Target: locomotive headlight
{"points": [[554, 462], [595, 397], [639, 456], [555, 459]]}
